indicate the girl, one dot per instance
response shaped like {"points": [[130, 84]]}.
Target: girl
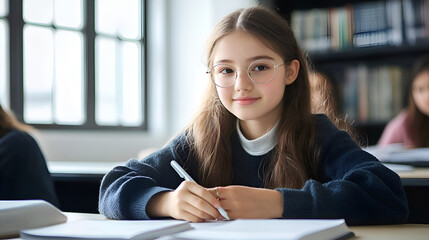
{"points": [[254, 148], [411, 126]]}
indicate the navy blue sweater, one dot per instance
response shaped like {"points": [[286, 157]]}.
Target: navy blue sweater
{"points": [[352, 184], [23, 170]]}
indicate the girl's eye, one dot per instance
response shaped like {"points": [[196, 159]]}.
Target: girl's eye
{"points": [[260, 68], [226, 71], [418, 89]]}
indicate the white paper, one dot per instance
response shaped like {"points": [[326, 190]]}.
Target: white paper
{"points": [[268, 229], [108, 229]]}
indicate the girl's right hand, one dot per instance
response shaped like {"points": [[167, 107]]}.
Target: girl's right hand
{"points": [[189, 201]]}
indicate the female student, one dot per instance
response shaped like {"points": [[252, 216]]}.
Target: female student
{"points": [[23, 170], [254, 148], [411, 126]]}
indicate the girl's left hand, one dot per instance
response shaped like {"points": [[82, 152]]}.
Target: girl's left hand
{"points": [[249, 202]]}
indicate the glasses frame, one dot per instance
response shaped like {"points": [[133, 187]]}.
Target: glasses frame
{"points": [[248, 72]]}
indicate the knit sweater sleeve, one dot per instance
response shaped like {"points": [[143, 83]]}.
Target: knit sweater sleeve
{"points": [[352, 185], [126, 190]]}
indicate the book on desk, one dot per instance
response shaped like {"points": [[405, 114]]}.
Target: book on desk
{"points": [[20, 214]]}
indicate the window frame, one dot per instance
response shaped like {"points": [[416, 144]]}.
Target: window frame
{"points": [[16, 64]]}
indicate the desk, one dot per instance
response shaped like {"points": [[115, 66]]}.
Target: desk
{"points": [[416, 186], [391, 232], [382, 232], [77, 184], [416, 177]]}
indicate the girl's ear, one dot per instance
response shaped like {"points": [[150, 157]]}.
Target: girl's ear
{"points": [[292, 71]]}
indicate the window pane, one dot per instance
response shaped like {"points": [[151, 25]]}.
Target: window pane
{"points": [[106, 88], [4, 76], [118, 17], [38, 74], [129, 26], [69, 13], [131, 85], [38, 11], [106, 16], [69, 88], [4, 9]]}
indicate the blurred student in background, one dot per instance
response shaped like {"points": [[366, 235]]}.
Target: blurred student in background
{"points": [[411, 126], [23, 170]]}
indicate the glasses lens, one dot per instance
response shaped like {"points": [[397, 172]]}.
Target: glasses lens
{"points": [[262, 71], [223, 75]]}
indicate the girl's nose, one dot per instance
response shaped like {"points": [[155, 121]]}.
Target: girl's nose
{"points": [[243, 81]]}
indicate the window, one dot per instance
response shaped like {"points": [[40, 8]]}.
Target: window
{"points": [[4, 36], [53, 62], [117, 61], [82, 63]]}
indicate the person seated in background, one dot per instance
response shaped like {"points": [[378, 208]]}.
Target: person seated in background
{"points": [[23, 170], [411, 126], [324, 99]]}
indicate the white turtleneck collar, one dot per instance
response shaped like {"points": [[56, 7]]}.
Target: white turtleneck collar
{"points": [[260, 145]]}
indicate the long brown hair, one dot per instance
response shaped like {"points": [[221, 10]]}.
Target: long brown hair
{"points": [[8, 122], [418, 122], [325, 99], [210, 131]]}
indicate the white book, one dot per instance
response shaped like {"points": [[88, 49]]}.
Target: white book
{"points": [[270, 229], [108, 229], [23, 214]]}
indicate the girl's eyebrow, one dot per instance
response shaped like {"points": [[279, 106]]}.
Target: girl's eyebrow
{"points": [[260, 57], [249, 59]]}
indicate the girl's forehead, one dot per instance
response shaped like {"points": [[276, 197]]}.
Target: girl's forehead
{"points": [[422, 78], [239, 46]]}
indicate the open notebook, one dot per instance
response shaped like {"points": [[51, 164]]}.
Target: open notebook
{"points": [[270, 229]]}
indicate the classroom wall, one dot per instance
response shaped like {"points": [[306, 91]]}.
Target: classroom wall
{"points": [[176, 33]]}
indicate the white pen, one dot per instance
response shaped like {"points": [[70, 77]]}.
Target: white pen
{"points": [[183, 174]]}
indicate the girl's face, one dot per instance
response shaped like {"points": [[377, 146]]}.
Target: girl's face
{"points": [[247, 100], [420, 90]]}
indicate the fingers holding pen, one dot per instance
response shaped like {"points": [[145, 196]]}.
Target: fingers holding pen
{"points": [[195, 203], [216, 193]]}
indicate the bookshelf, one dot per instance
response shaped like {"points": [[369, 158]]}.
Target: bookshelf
{"points": [[367, 48]]}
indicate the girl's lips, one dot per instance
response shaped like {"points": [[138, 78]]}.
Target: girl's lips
{"points": [[245, 100]]}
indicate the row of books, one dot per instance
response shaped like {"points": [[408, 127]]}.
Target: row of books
{"points": [[416, 19], [361, 25], [374, 94]]}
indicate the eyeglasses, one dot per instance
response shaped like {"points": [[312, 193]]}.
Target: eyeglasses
{"points": [[259, 71]]}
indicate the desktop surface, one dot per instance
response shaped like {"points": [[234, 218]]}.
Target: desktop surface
{"points": [[376, 232]]}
